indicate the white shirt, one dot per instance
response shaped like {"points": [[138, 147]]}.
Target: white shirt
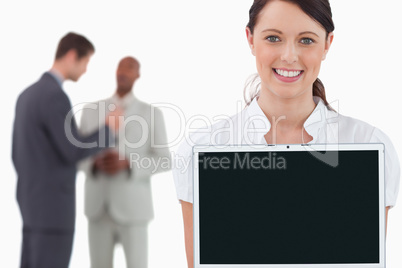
{"points": [[123, 102], [250, 125]]}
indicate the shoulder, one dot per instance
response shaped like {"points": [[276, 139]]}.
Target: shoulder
{"points": [[44, 94], [139, 107], [354, 130], [141, 103], [48, 84], [50, 91], [148, 111], [41, 87], [358, 131]]}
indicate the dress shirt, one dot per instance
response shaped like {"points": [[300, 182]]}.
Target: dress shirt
{"points": [[123, 102]]}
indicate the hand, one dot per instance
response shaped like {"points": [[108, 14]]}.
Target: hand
{"points": [[113, 119], [110, 163]]}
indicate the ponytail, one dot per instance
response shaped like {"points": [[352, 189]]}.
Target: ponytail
{"points": [[253, 83], [319, 91]]}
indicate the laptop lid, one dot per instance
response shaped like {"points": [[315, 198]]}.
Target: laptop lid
{"points": [[296, 205]]}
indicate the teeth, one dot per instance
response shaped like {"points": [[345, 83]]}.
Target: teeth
{"points": [[287, 74]]}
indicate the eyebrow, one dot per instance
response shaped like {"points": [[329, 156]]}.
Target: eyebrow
{"points": [[277, 31]]}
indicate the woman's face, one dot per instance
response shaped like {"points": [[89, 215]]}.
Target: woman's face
{"points": [[289, 47]]}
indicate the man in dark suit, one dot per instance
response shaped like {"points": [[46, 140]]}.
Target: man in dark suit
{"points": [[46, 148]]}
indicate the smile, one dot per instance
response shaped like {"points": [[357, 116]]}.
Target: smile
{"points": [[287, 76], [288, 73]]}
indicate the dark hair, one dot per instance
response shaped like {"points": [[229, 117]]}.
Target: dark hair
{"points": [[74, 41], [318, 10]]}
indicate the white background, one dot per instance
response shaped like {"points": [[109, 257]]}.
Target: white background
{"points": [[194, 55]]}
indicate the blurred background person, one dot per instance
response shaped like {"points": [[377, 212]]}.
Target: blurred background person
{"points": [[118, 200], [45, 158]]}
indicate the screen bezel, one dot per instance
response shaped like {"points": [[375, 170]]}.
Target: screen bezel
{"points": [[289, 148]]}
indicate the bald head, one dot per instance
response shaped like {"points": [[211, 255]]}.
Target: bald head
{"points": [[127, 73]]}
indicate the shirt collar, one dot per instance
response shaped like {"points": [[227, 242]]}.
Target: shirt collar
{"points": [[257, 120], [262, 125], [317, 118], [125, 101], [57, 76]]}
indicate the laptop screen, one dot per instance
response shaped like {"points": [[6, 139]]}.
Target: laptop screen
{"points": [[288, 208]]}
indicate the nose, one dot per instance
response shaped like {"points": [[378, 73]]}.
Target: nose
{"points": [[289, 53]]}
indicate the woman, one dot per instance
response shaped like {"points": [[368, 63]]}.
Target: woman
{"points": [[289, 39]]}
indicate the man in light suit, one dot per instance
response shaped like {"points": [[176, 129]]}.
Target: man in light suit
{"points": [[45, 154], [118, 200]]}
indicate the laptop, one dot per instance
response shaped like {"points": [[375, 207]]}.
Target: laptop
{"points": [[296, 205]]}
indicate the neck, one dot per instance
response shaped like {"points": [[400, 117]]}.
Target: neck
{"points": [[122, 93], [60, 68], [291, 112]]}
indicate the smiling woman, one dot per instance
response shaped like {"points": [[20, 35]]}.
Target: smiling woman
{"points": [[284, 36], [289, 39]]}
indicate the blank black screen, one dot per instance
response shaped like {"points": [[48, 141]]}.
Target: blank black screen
{"points": [[301, 212]]}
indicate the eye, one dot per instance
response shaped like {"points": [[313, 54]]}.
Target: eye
{"points": [[306, 41], [273, 39]]}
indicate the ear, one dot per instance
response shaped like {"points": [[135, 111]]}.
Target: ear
{"points": [[250, 40], [328, 43], [71, 55]]}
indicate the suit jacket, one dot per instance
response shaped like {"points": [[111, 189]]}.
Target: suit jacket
{"points": [[127, 195], [44, 157]]}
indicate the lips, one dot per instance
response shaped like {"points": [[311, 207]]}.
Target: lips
{"points": [[286, 75]]}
